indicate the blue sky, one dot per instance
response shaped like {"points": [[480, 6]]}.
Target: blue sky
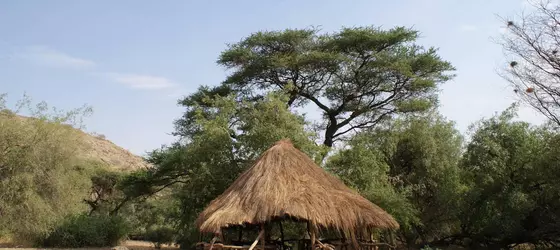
{"points": [[131, 60]]}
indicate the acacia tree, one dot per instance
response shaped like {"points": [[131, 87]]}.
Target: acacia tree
{"points": [[532, 44], [357, 77]]}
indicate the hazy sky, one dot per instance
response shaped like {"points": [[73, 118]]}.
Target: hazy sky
{"points": [[132, 59]]}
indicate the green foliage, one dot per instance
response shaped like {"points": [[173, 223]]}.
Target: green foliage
{"points": [[161, 235], [161, 210], [202, 99], [410, 169], [104, 195], [499, 191], [235, 135], [424, 155], [513, 172], [88, 231], [365, 169], [357, 77], [41, 180], [224, 138]]}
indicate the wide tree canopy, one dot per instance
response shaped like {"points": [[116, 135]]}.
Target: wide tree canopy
{"points": [[357, 76]]}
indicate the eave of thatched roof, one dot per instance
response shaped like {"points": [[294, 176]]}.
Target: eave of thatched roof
{"points": [[285, 182]]}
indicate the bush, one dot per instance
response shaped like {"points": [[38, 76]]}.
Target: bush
{"points": [[161, 235], [38, 159], [88, 231]]}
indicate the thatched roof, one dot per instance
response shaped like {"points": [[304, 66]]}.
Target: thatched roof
{"points": [[285, 182]]}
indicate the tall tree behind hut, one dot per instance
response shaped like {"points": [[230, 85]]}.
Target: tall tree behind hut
{"points": [[532, 46], [357, 77], [221, 140]]}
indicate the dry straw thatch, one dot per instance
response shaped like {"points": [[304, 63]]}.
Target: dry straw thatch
{"points": [[285, 182]]}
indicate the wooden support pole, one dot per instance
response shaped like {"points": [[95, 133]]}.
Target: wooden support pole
{"points": [[222, 236], [312, 234], [212, 242], [343, 240], [281, 233], [264, 236], [240, 237], [261, 235]]}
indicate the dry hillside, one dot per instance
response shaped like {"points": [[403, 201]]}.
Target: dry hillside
{"points": [[98, 148]]}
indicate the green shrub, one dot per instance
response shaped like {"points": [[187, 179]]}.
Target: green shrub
{"points": [[40, 184], [88, 231], [161, 235]]}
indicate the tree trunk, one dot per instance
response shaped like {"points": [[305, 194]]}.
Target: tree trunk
{"points": [[330, 131]]}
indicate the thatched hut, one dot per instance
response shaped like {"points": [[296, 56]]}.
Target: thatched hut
{"points": [[284, 183]]}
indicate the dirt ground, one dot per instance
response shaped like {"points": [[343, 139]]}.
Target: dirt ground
{"points": [[129, 244]]}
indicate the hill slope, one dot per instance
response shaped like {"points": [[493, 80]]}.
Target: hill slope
{"points": [[98, 148]]}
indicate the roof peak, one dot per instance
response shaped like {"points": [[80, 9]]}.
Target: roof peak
{"points": [[285, 141]]}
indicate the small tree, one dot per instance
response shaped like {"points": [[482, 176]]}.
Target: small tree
{"points": [[532, 46]]}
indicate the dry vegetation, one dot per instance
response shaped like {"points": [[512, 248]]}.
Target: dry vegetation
{"points": [[286, 182], [129, 244], [55, 147], [98, 148]]}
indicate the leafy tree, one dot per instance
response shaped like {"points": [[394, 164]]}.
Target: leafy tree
{"points": [[357, 77], [194, 103], [364, 168], [424, 158], [161, 210], [531, 44], [104, 194], [223, 139], [512, 169], [410, 168], [41, 180]]}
